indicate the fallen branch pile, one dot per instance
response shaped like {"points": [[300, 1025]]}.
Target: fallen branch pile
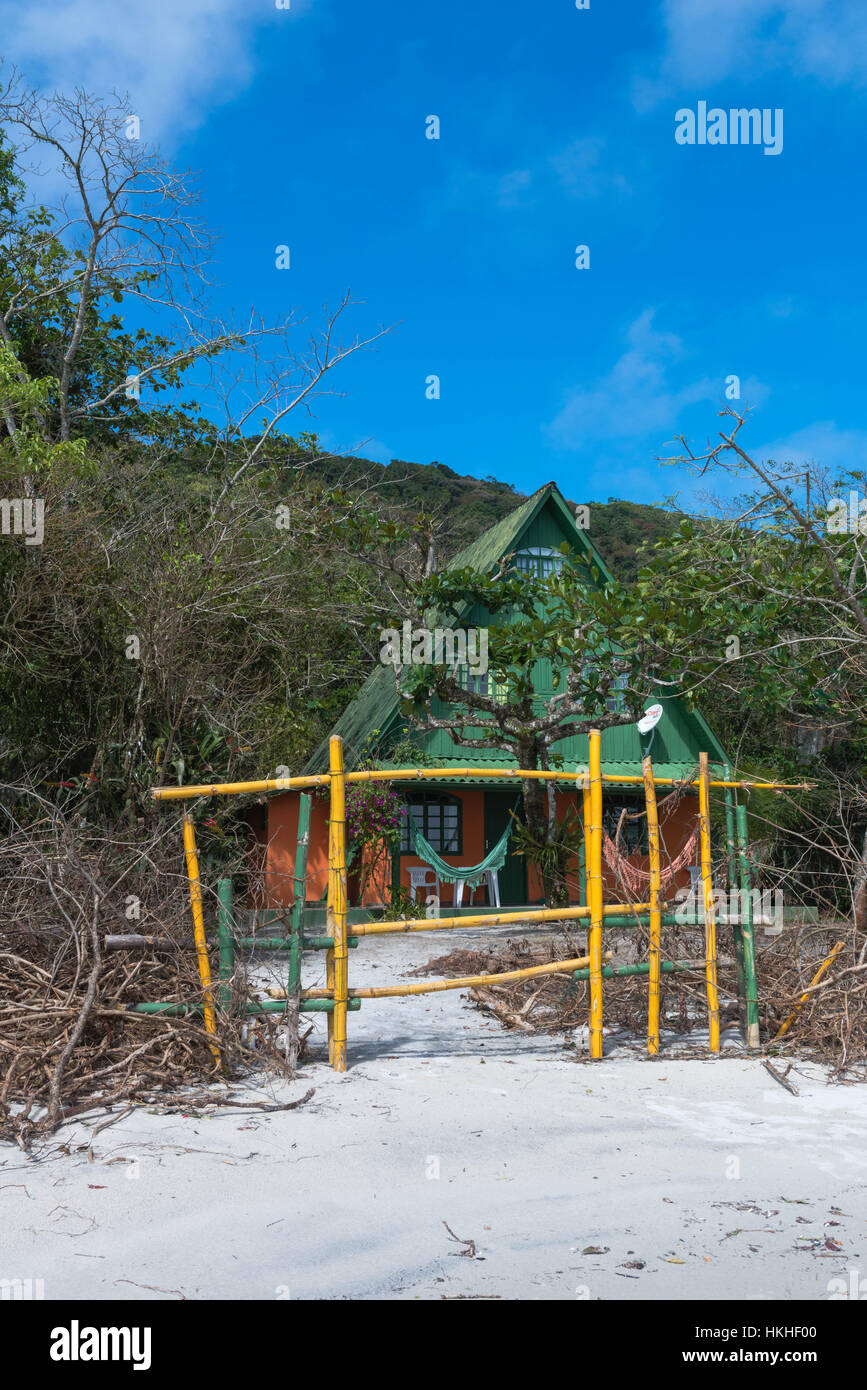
{"points": [[830, 1027], [68, 1042]]}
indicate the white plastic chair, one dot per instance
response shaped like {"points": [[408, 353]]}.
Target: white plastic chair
{"points": [[493, 882], [418, 878]]}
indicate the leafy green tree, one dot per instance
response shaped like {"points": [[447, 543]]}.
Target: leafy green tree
{"points": [[162, 628], [760, 611]]}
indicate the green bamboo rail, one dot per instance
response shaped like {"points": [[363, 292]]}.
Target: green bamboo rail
{"points": [[242, 943], [731, 878], [299, 891], [225, 938], [746, 916], [614, 972], [709, 907], [228, 940], [285, 943]]}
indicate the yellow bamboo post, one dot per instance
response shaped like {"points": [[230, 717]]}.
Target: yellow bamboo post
{"points": [[337, 961], [783, 1030], [192, 859], [594, 894], [655, 911], [709, 914]]}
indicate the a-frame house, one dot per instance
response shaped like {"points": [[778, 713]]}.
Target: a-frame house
{"points": [[464, 821]]}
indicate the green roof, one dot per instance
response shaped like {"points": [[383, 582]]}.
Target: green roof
{"points": [[677, 740], [488, 549], [374, 707]]}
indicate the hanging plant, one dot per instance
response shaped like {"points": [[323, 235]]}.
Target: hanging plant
{"points": [[374, 820]]}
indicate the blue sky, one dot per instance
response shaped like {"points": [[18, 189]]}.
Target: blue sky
{"points": [[557, 129]]}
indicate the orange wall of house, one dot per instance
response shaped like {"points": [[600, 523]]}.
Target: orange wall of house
{"points": [[257, 824], [283, 835], [473, 851], [674, 836], [282, 841]]}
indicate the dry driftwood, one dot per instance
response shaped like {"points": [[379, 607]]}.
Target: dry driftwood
{"points": [[831, 1026], [68, 1043]]}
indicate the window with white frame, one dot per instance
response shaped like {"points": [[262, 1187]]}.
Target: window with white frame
{"points": [[486, 684], [614, 701], [539, 560]]}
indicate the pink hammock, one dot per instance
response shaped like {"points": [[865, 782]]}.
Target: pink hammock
{"points": [[633, 877]]}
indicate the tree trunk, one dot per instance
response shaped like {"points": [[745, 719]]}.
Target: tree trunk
{"points": [[541, 825]]}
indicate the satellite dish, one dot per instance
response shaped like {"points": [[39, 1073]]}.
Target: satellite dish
{"points": [[649, 719]]}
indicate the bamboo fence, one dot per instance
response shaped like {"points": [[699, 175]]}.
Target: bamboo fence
{"points": [[337, 999]]}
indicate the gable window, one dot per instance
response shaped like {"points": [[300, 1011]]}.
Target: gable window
{"points": [[539, 560], [486, 684], [633, 835], [614, 701], [438, 817]]}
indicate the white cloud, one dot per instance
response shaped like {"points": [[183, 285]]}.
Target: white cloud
{"points": [[823, 443], [510, 188], [783, 308], [176, 58], [579, 170], [636, 397], [374, 449], [707, 41]]}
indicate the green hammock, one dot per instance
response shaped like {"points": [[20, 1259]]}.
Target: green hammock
{"points": [[472, 874]]}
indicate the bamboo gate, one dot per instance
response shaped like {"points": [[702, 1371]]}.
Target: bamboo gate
{"points": [[337, 999]]}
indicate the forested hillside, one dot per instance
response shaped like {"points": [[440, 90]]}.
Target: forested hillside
{"points": [[466, 506]]}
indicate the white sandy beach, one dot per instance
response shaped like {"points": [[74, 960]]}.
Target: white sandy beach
{"points": [[688, 1178]]}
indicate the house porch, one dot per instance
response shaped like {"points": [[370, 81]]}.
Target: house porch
{"points": [[463, 822]]}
